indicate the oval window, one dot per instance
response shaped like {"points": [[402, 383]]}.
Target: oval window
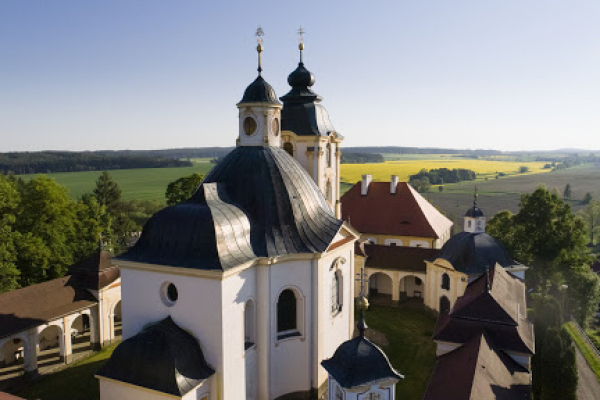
{"points": [[249, 126]]}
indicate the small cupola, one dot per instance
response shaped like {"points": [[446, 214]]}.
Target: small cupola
{"points": [[474, 218], [259, 110]]}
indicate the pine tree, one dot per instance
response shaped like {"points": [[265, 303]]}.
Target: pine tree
{"points": [[567, 192], [107, 192]]}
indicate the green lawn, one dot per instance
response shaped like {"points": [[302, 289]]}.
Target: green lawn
{"points": [[138, 184], [76, 382], [411, 350]]}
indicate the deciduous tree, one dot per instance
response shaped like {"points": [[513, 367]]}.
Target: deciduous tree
{"points": [[182, 189]]}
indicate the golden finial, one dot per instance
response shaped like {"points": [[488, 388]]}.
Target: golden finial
{"points": [[259, 48], [362, 303], [301, 45]]}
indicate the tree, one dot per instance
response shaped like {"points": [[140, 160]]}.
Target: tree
{"points": [[567, 192], [523, 169], [440, 188], [583, 292], [107, 192], [9, 201], [591, 217], [587, 198], [182, 189], [544, 234]]}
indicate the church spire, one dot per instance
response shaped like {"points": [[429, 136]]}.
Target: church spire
{"points": [[259, 48], [301, 44]]}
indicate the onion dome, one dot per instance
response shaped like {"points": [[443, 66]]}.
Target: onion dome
{"points": [[301, 77], [257, 202], [260, 91], [358, 362], [474, 253], [301, 80], [162, 357]]}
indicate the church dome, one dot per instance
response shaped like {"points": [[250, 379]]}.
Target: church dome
{"points": [[260, 91], [474, 212], [474, 253], [357, 362], [301, 77], [257, 202]]}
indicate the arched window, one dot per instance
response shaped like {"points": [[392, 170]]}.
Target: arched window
{"points": [[336, 293], [446, 281], [328, 154], [444, 305], [287, 146], [287, 314], [418, 281], [249, 325]]}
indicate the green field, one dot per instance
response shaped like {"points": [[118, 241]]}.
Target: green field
{"points": [[139, 184]]}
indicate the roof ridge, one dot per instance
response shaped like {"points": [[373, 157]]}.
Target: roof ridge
{"points": [[423, 205]]}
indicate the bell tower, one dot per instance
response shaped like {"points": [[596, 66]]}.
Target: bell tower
{"points": [[474, 218], [309, 136], [259, 110]]}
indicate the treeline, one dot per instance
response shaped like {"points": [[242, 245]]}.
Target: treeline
{"points": [[361, 158], [444, 175], [556, 163], [64, 161], [418, 150], [191, 152]]}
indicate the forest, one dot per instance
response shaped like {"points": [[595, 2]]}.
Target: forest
{"points": [[63, 161]]}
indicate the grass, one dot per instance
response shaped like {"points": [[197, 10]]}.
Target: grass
{"points": [[77, 380], [591, 357], [138, 184], [411, 350]]}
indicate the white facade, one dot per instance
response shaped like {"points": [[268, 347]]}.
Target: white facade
{"points": [[212, 307], [382, 390]]}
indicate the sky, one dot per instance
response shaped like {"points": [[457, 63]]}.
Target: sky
{"points": [[150, 74]]}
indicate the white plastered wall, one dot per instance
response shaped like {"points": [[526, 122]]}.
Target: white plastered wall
{"points": [[114, 390]]}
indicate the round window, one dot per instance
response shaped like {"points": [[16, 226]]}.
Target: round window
{"points": [[169, 294], [249, 126], [275, 126]]}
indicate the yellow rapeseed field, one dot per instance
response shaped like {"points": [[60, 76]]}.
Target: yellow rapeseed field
{"points": [[352, 173]]}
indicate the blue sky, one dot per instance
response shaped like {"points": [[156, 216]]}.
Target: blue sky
{"points": [[146, 74]]}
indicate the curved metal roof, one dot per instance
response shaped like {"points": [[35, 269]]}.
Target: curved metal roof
{"points": [[162, 357], [474, 253], [257, 202], [260, 91], [357, 362], [474, 212]]}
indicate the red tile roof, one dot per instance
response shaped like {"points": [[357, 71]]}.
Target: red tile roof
{"points": [[405, 213], [478, 370], [499, 311], [96, 271]]}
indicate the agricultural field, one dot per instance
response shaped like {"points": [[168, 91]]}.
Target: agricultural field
{"points": [[138, 184], [352, 173]]}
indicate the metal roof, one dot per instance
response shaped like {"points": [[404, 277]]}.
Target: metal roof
{"points": [[260, 91], [257, 202], [162, 357]]}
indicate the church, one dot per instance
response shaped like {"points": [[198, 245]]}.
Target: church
{"points": [[242, 291]]}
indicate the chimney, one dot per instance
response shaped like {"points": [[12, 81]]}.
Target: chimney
{"points": [[393, 184], [366, 180]]}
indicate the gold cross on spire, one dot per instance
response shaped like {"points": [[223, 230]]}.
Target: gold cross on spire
{"points": [[301, 45], [259, 34]]}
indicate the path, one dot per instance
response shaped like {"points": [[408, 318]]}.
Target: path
{"points": [[588, 387]]}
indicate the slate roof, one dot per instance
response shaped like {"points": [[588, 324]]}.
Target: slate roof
{"points": [[302, 113], [162, 357], [96, 271], [38, 304], [478, 370], [500, 312], [257, 202], [405, 213], [357, 362], [473, 253], [259, 91], [397, 257]]}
